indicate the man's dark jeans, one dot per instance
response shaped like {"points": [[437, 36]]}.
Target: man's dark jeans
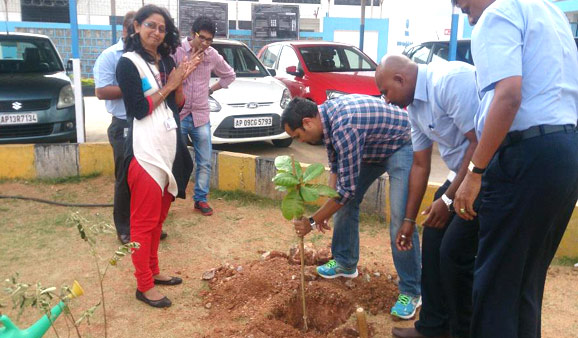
{"points": [[121, 210], [530, 190], [447, 275]]}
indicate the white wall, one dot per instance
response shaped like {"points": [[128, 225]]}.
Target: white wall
{"points": [[352, 37]]}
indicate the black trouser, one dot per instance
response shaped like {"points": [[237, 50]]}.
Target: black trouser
{"points": [[121, 210], [448, 256], [530, 190]]}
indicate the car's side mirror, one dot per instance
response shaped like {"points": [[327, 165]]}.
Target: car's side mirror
{"points": [[292, 70], [272, 71], [69, 66]]}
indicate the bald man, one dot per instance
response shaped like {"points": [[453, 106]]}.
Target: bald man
{"points": [[441, 101]]}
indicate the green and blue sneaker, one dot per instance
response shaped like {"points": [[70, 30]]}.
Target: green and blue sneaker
{"points": [[332, 269], [406, 306]]}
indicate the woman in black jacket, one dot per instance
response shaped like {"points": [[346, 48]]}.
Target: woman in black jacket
{"points": [[157, 164]]}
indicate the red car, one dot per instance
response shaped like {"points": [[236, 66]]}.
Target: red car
{"points": [[320, 70]]}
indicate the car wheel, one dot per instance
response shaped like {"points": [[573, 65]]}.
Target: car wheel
{"points": [[283, 143]]}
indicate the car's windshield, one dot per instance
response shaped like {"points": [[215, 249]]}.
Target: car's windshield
{"points": [[243, 61], [28, 55], [335, 59]]}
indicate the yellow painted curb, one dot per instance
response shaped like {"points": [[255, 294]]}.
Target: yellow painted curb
{"points": [[237, 171], [95, 158], [17, 161]]}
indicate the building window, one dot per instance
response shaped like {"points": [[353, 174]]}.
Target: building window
{"points": [[45, 10]]}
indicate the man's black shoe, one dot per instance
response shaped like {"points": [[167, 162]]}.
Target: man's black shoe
{"points": [[124, 239], [163, 234]]}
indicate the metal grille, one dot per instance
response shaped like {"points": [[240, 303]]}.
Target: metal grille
{"points": [[26, 130], [25, 105], [226, 129]]}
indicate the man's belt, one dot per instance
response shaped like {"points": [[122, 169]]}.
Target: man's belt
{"points": [[516, 136]]}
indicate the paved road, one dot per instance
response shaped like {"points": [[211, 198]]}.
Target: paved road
{"points": [[97, 121]]}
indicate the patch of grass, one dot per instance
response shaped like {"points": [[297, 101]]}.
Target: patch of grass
{"points": [[53, 181], [564, 261], [66, 180], [65, 196], [316, 238], [233, 218], [372, 219], [254, 239], [246, 198]]}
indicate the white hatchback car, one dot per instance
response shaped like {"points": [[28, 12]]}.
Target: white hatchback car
{"points": [[250, 109]]}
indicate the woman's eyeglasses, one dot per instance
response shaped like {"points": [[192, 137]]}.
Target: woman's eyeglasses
{"points": [[153, 26], [204, 39]]}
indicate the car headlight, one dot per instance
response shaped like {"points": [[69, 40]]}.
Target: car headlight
{"points": [[214, 106], [66, 97], [285, 98], [331, 94]]}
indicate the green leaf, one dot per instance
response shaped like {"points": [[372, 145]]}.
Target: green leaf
{"points": [[285, 179], [283, 163], [298, 170], [313, 171], [309, 194], [292, 205], [281, 188], [323, 190]]}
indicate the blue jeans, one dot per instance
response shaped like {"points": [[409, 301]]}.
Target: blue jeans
{"points": [[345, 242], [201, 139]]}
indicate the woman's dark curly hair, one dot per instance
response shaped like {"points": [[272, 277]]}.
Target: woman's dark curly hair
{"points": [[170, 43]]}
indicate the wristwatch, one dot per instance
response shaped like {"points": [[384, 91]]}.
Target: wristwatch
{"points": [[472, 167], [312, 223], [448, 201]]}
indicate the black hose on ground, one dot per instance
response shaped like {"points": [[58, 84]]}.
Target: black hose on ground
{"points": [[57, 203]]}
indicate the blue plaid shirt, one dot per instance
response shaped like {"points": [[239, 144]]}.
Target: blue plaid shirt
{"points": [[360, 128]]}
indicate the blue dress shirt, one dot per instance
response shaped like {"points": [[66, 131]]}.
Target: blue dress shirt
{"points": [[443, 109], [105, 75], [532, 39]]}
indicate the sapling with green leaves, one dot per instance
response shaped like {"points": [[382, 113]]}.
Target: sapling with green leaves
{"points": [[88, 235], [298, 185], [35, 295], [290, 178]]}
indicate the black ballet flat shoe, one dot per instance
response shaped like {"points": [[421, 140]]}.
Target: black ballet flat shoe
{"points": [[172, 281], [161, 303]]}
